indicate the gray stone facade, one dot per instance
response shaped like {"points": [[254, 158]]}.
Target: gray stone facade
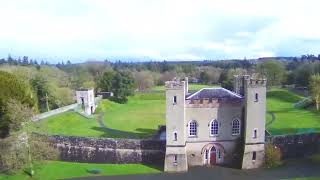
{"points": [[215, 126]]}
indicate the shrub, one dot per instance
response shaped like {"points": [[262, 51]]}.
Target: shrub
{"points": [[273, 156]]}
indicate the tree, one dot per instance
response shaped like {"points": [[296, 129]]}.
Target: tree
{"points": [[144, 80], [13, 89], [315, 89], [272, 70], [120, 83], [122, 86], [204, 77]]}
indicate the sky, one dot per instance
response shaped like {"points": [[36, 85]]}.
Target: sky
{"points": [[82, 30]]}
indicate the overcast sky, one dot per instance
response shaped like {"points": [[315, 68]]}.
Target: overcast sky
{"points": [[158, 29]]}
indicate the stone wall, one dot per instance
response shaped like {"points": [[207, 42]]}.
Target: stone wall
{"points": [[298, 145], [54, 112], [108, 150]]}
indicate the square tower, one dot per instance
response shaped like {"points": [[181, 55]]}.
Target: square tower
{"points": [[176, 156], [85, 98], [254, 121]]}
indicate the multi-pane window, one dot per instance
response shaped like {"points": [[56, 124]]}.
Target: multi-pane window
{"points": [[206, 154], [214, 128], [219, 154], [235, 127], [193, 128]]}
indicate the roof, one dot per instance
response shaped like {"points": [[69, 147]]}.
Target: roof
{"points": [[214, 93]]}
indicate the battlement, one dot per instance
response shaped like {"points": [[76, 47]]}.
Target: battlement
{"points": [[211, 103], [256, 82], [175, 84]]}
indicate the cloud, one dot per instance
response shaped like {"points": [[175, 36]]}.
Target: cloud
{"points": [[179, 29]]}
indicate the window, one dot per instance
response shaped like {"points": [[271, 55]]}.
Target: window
{"points": [[192, 128], [219, 154], [174, 99], [255, 133], [175, 136], [214, 128], [206, 155], [254, 156], [175, 159], [235, 127], [256, 97]]}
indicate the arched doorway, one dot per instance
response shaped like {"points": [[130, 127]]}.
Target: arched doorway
{"points": [[213, 156]]}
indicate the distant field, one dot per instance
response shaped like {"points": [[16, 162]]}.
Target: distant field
{"points": [[192, 87], [53, 170], [290, 120]]}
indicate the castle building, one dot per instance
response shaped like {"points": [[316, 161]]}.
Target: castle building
{"points": [[215, 126], [85, 98]]}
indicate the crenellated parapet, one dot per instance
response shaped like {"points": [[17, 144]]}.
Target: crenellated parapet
{"points": [[175, 84], [250, 82], [211, 103]]}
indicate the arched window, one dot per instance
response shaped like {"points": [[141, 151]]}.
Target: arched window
{"points": [[192, 128], [214, 128], [235, 127]]}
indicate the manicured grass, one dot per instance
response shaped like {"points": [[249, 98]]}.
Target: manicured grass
{"points": [[290, 120], [68, 123], [192, 87], [139, 118], [60, 170]]}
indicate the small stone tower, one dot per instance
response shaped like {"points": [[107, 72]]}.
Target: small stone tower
{"points": [[254, 91], [85, 98], [176, 155]]}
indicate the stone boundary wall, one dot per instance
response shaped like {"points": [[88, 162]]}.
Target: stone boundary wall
{"points": [[54, 112], [109, 150], [63, 109], [151, 151], [297, 145]]}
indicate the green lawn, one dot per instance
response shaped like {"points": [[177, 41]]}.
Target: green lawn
{"points": [[61, 170], [68, 123], [139, 118], [290, 120]]}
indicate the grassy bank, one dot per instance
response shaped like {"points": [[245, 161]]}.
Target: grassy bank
{"points": [[52, 170], [290, 120]]}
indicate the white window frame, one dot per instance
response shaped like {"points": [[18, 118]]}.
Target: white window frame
{"points": [[255, 133], [212, 127], [195, 128], [232, 127]]}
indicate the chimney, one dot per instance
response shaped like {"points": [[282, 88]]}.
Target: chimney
{"points": [[186, 85]]}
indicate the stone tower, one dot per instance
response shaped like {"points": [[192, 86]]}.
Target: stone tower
{"points": [[254, 91], [85, 98], [176, 155]]}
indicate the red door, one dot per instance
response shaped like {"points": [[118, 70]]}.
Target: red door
{"points": [[213, 156]]}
